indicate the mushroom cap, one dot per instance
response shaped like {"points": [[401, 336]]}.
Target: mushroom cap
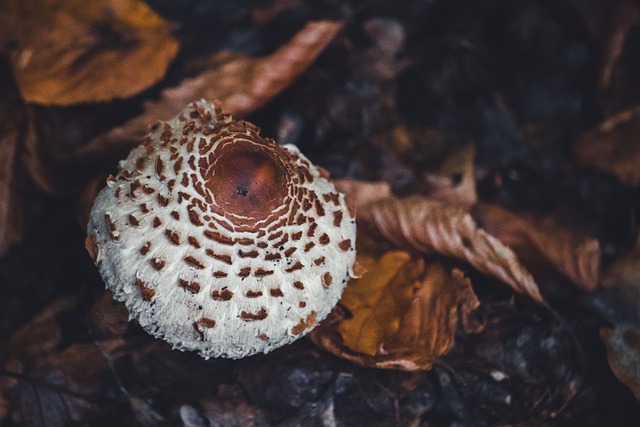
{"points": [[220, 241]]}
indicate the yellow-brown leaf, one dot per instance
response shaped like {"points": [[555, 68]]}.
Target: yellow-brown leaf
{"points": [[73, 51], [378, 300], [441, 305], [404, 314]]}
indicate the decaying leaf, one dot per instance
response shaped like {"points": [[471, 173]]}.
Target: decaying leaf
{"points": [[72, 51], [241, 83], [430, 226], [613, 147], [623, 353], [404, 313], [570, 251]]}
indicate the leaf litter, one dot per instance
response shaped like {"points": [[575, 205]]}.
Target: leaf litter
{"points": [[429, 304]]}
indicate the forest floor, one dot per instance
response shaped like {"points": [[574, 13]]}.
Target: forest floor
{"points": [[520, 117]]}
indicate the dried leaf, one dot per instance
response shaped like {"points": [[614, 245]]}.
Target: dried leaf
{"points": [[623, 353], [430, 226], [404, 314], [11, 182], [613, 147], [570, 251], [241, 83], [71, 51]]}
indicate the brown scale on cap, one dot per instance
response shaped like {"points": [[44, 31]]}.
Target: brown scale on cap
{"points": [[254, 238]]}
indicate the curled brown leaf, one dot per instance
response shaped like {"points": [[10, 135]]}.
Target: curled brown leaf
{"points": [[429, 226], [570, 251]]}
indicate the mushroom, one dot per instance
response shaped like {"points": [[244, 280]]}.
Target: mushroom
{"points": [[220, 241]]}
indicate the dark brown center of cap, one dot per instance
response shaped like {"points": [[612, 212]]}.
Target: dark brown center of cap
{"points": [[247, 181]]}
